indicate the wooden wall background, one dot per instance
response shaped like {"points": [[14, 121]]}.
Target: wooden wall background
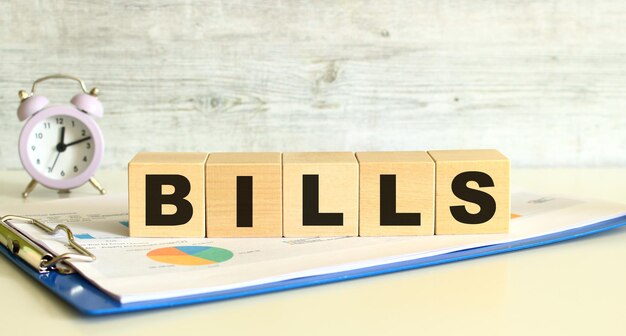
{"points": [[543, 81]]}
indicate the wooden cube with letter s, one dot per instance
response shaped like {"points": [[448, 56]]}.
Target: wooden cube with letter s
{"points": [[166, 195], [472, 193]]}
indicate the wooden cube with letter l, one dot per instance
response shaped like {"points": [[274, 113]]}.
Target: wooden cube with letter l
{"points": [[166, 195], [320, 194], [397, 194], [244, 195], [472, 191]]}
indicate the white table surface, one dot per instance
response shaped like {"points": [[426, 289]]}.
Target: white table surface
{"points": [[576, 287]]}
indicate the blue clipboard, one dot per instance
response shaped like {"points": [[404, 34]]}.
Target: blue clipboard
{"points": [[89, 300]]}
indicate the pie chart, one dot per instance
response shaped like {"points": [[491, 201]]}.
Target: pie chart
{"points": [[190, 255]]}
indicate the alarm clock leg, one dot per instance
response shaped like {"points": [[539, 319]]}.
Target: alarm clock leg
{"points": [[29, 188], [97, 185]]}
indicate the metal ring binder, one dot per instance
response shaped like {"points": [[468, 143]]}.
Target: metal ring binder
{"points": [[35, 254]]}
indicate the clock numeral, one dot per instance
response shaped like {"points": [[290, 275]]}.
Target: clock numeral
{"points": [[62, 173], [88, 145], [73, 123], [38, 161], [83, 132], [33, 147], [85, 158], [38, 135], [46, 125], [59, 121], [75, 169], [49, 169]]}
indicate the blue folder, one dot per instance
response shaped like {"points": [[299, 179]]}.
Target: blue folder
{"points": [[88, 299]]}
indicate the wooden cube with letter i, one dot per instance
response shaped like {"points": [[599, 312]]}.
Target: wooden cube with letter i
{"points": [[472, 191], [320, 194], [397, 194], [244, 195], [166, 195]]}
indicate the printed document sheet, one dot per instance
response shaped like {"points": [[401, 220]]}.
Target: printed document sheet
{"points": [[142, 269]]}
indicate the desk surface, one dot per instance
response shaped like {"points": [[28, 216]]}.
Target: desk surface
{"points": [[576, 287]]}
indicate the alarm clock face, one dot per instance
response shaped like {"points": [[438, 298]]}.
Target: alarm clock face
{"points": [[61, 147]]}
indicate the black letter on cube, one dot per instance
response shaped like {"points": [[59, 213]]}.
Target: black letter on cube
{"points": [[155, 199], [388, 214], [486, 203], [244, 201], [311, 205]]}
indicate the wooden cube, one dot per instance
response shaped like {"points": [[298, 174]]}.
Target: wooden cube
{"points": [[166, 195], [320, 194], [397, 194], [244, 195], [472, 191]]}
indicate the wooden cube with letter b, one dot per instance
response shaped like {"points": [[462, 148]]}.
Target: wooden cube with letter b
{"points": [[397, 194], [320, 194], [472, 191], [166, 195], [244, 195]]}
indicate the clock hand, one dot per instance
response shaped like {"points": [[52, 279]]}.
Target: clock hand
{"points": [[77, 141], [62, 135], [61, 146], [55, 161]]}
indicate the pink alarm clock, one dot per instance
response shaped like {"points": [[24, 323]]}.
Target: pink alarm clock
{"points": [[60, 146]]}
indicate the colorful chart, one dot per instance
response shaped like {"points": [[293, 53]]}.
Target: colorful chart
{"points": [[190, 255]]}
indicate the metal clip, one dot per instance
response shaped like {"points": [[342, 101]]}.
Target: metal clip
{"points": [[36, 255]]}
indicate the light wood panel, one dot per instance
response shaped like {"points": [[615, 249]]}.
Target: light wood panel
{"points": [[542, 81]]}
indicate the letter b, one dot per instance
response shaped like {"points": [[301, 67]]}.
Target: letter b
{"points": [[155, 199]]}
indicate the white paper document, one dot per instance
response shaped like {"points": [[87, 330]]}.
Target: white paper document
{"points": [[143, 269]]}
